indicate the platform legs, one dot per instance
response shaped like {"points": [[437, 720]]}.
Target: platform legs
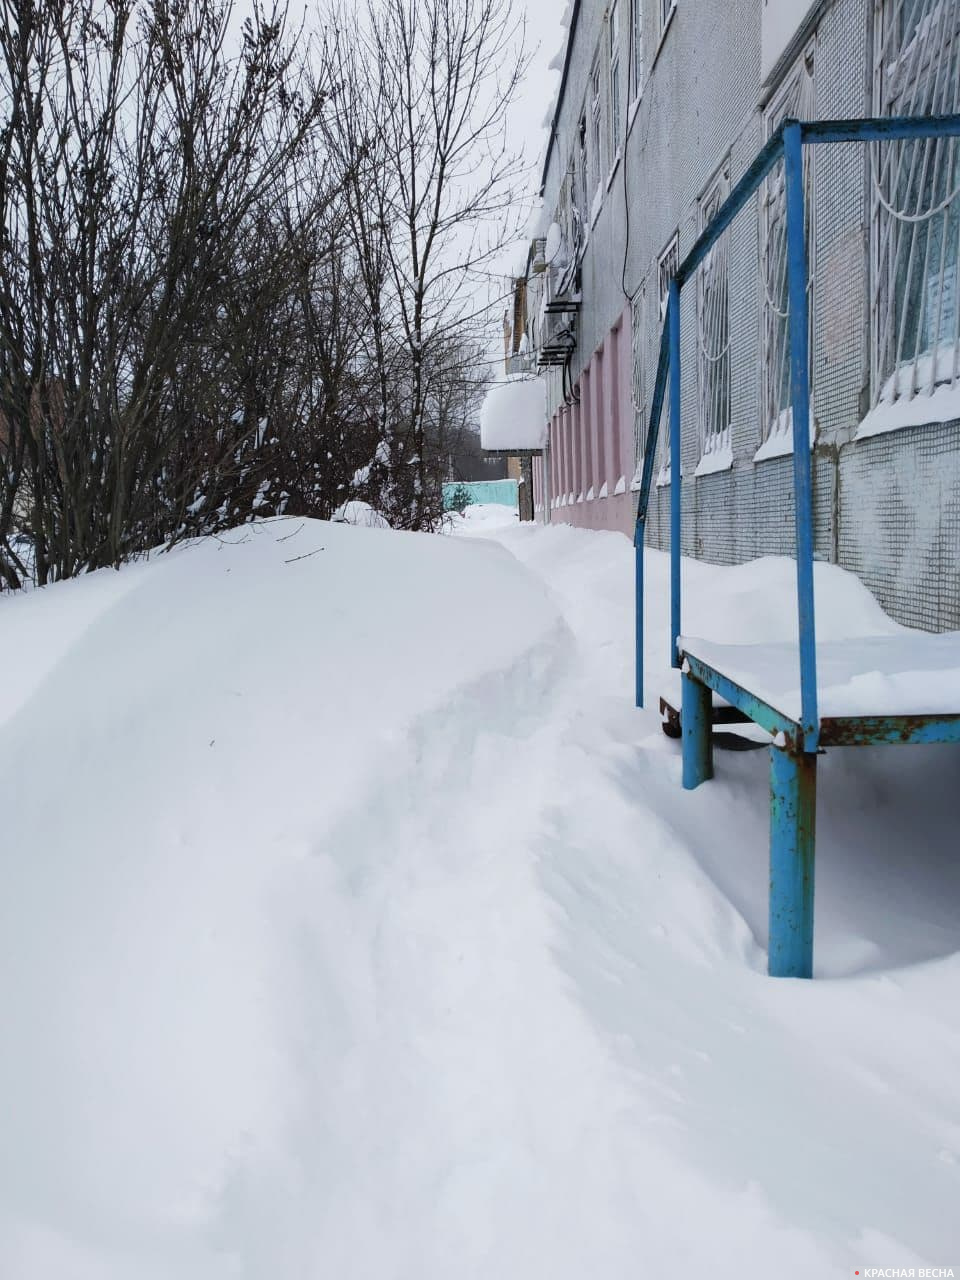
{"points": [[696, 719], [793, 816]]}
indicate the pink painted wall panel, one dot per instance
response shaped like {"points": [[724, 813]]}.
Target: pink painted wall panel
{"points": [[598, 417], [627, 440], [594, 439], [613, 413]]}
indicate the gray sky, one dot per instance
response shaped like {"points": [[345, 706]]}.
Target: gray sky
{"points": [[527, 117], [545, 39]]}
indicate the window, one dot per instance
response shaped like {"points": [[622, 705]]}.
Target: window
{"points": [[636, 50], [667, 265], [915, 319], [795, 100], [713, 332], [580, 190], [613, 33], [596, 117], [638, 329]]}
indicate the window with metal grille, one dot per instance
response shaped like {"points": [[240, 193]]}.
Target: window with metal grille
{"points": [[582, 183], [596, 115], [613, 34], [667, 264], [638, 331], [794, 100], [636, 50], [713, 330], [915, 319]]}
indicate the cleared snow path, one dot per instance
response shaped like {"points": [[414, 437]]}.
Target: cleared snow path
{"points": [[829, 1106], [354, 925]]}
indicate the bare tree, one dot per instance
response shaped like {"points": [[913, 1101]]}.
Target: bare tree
{"points": [[136, 155], [431, 82], [237, 279]]}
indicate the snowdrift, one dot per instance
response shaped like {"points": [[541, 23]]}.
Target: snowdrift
{"points": [[179, 741]]}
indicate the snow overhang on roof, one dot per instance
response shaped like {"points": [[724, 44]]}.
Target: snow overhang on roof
{"points": [[514, 416], [571, 36]]}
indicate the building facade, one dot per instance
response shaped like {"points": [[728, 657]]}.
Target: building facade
{"points": [[663, 106]]}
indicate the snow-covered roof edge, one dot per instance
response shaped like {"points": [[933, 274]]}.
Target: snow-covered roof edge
{"points": [[573, 9], [514, 416]]}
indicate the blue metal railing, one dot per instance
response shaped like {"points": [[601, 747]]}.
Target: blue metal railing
{"points": [[787, 143]]}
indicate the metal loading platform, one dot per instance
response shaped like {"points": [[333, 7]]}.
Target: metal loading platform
{"points": [[901, 689], [913, 684]]}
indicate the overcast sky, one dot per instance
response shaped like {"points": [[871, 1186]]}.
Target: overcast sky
{"points": [[545, 38]]}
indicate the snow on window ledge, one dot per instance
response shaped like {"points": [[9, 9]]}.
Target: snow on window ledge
{"points": [[921, 410], [621, 486], [614, 167], [663, 35], [779, 441], [663, 477], [597, 204], [589, 495], [604, 492], [720, 459]]}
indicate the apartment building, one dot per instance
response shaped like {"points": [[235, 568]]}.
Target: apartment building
{"points": [[663, 106]]}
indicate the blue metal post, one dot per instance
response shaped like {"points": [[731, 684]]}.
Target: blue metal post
{"points": [[800, 405], [793, 815], [696, 720], [639, 538], [673, 320]]}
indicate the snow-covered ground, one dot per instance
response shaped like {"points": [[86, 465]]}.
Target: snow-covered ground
{"points": [[355, 925]]}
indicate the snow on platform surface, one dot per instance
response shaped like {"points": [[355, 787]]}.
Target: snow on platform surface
{"points": [[902, 675], [867, 664], [355, 926]]}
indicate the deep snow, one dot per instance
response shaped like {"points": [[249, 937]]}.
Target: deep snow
{"points": [[355, 925]]}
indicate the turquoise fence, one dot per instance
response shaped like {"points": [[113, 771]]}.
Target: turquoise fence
{"points": [[498, 493]]}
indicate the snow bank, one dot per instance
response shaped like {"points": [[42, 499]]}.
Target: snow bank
{"points": [[821, 1117], [483, 518], [360, 513], [190, 948], [514, 415]]}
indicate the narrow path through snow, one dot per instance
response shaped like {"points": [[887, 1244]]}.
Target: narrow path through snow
{"points": [[814, 1103]]}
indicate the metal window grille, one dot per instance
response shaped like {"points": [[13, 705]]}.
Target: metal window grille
{"points": [[915, 318], [713, 330], [581, 166], [596, 112], [613, 33], [796, 99], [667, 264], [638, 329], [636, 33]]}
